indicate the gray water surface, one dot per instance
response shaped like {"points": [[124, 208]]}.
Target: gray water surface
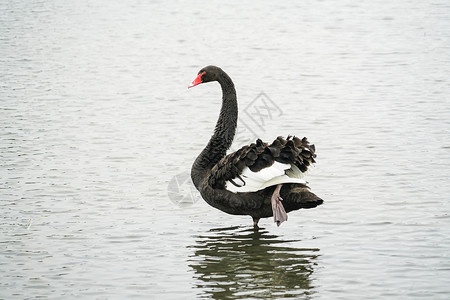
{"points": [[98, 132]]}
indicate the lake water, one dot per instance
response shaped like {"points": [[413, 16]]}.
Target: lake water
{"points": [[98, 132]]}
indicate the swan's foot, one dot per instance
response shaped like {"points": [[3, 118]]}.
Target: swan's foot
{"points": [[279, 214], [255, 222]]}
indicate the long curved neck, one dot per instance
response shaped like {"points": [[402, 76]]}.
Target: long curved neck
{"points": [[224, 132]]}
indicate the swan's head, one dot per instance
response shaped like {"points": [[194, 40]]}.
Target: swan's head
{"points": [[207, 74]]}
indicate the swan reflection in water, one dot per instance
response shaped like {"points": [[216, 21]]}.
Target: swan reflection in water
{"points": [[248, 263]]}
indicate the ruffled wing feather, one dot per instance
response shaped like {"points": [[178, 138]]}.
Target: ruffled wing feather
{"points": [[260, 165]]}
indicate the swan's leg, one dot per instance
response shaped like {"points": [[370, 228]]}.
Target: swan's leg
{"points": [[255, 222], [279, 214]]}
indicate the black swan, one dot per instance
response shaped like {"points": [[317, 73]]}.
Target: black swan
{"points": [[259, 180]]}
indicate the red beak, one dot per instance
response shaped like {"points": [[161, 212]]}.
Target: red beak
{"points": [[197, 80]]}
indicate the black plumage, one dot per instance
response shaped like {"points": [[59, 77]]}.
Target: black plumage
{"points": [[213, 168]]}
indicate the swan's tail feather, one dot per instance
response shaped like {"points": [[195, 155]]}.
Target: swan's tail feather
{"points": [[297, 196]]}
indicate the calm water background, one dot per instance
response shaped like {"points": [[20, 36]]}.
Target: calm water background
{"points": [[98, 129]]}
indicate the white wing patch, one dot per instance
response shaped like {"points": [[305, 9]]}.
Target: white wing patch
{"points": [[277, 173]]}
